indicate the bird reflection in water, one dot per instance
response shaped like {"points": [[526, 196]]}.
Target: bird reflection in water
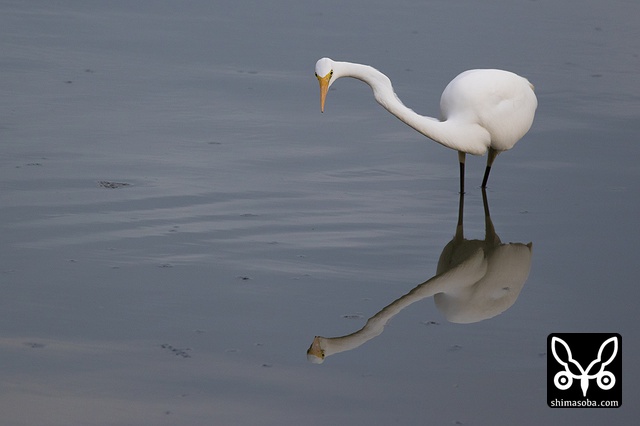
{"points": [[475, 280]]}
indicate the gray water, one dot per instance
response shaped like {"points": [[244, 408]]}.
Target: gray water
{"points": [[179, 220]]}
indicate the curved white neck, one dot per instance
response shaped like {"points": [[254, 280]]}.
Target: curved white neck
{"points": [[459, 277], [450, 134], [374, 326]]}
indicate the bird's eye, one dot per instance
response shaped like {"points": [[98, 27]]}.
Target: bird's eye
{"points": [[316, 74], [331, 73]]}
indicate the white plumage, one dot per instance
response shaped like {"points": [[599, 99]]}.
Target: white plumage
{"points": [[484, 110]]}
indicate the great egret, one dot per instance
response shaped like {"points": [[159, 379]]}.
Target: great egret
{"points": [[475, 280], [481, 110]]}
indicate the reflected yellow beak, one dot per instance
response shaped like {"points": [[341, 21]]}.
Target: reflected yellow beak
{"points": [[324, 87], [315, 353]]}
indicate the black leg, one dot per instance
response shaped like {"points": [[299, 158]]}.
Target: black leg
{"points": [[486, 177], [490, 157], [460, 211], [461, 159]]}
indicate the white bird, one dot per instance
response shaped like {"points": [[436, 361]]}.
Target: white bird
{"points": [[475, 280], [481, 110]]}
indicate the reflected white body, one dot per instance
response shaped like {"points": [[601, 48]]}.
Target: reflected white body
{"points": [[475, 280]]}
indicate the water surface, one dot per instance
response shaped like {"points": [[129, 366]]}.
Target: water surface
{"points": [[179, 221]]}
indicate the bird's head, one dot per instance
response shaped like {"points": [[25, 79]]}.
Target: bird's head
{"points": [[315, 353], [326, 76]]}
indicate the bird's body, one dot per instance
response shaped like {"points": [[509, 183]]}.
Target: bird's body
{"points": [[475, 280], [485, 110]]}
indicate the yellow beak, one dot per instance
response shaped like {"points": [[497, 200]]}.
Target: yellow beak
{"points": [[324, 87]]}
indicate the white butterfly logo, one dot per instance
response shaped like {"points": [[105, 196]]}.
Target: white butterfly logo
{"points": [[564, 379]]}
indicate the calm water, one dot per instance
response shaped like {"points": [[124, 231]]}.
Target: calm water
{"points": [[179, 221]]}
